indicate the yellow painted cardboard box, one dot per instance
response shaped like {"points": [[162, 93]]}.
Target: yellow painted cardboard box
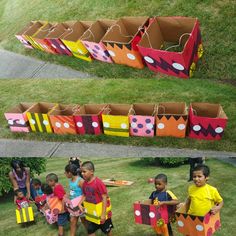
{"points": [[24, 215], [93, 212]]}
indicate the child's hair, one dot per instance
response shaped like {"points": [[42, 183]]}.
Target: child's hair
{"points": [[88, 165], [76, 161], [162, 177], [204, 168], [52, 176], [17, 191], [73, 169], [46, 189], [36, 182]]}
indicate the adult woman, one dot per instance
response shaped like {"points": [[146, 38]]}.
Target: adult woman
{"points": [[20, 178]]}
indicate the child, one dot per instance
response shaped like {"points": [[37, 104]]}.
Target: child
{"points": [[37, 187], [21, 200], [75, 183], [161, 197], [202, 197], [94, 191], [59, 192]]}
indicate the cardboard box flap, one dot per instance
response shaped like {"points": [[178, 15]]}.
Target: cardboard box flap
{"points": [[91, 109], [208, 110], [172, 108], [20, 108], [64, 110], [78, 29], [119, 109], [144, 109], [41, 34], [34, 28], [25, 28], [58, 30], [42, 107], [97, 30]]}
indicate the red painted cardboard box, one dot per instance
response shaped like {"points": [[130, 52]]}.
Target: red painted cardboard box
{"points": [[172, 45], [206, 121]]}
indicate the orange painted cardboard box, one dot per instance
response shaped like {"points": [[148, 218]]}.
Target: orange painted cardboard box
{"points": [[197, 225]]}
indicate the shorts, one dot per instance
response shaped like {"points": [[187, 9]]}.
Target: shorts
{"points": [[106, 227], [62, 219]]}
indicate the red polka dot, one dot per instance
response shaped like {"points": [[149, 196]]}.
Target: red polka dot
{"points": [[207, 218], [217, 224], [209, 232]]}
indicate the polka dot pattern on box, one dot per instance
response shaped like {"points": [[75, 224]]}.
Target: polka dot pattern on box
{"points": [[142, 126]]}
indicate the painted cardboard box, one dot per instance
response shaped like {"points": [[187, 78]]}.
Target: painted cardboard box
{"points": [[150, 214], [206, 121], [19, 35], [62, 119], [92, 40], [33, 30], [93, 211], [197, 225], [50, 217], [88, 119], [122, 38], [73, 42], [17, 118], [115, 119], [38, 116], [171, 119], [172, 45], [24, 215], [53, 38], [142, 122], [73, 206], [55, 205]]}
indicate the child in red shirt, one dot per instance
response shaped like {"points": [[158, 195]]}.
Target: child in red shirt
{"points": [[94, 191], [21, 200], [58, 191]]}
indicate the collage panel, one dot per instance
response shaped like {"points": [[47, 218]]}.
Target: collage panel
{"points": [[144, 196]]}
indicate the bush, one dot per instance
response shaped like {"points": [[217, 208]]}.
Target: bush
{"points": [[165, 161], [36, 165]]}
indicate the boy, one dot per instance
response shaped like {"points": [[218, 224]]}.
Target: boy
{"points": [[202, 197], [37, 187], [94, 191], [21, 200], [58, 191], [162, 197]]}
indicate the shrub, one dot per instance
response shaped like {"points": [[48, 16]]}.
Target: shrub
{"points": [[36, 165]]}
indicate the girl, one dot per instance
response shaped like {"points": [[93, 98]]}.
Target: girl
{"points": [[75, 184]]}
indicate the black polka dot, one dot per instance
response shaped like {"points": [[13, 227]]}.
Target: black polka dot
{"points": [[140, 126], [134, 120], [135, 130], [148, 120]]}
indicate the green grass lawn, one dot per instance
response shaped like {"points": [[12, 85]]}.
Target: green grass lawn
{"points": [[123, 197], [121, 91], [217, 20]]}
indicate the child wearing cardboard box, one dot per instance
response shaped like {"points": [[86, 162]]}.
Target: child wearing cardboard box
{"points": [[202, 197], [95, 193]]}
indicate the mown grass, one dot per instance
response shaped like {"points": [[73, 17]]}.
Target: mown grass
{"points": [[120, 91], [123, 197], [217, 20]]}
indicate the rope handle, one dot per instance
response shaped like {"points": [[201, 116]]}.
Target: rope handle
{"points": [[132, 111], [180, 39], [162, 107], [69, 31], [155, 110], [194, 112], [91, 33], [111, 28]]}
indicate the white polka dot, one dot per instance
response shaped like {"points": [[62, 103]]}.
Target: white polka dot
{"points": [[123, 126], [137, 213], [80, 51], [133, 125], [45, 122], [149, 126], [160, 126], [148, 59], [58, 124], [32, 121], [10, 122], [181, 126], [180, 223], [106, 124], [199, 228], [66, 125], [219, 130], [22, 122], [62, 46], [151, 214], [95, 124], [131, 56], [178, 66], [79, 124], [94, 213], [111, 53], [54, 46], [196, 127]]}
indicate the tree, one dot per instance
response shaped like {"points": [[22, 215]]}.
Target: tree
{"points": [[36, 165]]}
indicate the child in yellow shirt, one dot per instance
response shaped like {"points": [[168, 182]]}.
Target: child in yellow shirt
{"points": [[202, 197]]}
